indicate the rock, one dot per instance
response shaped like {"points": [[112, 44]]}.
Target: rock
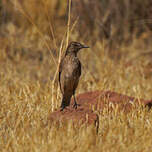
{"points": [[91, 103], [79, 115], [99, 99]]}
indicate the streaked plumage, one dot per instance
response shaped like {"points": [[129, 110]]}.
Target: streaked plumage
{"points": [[69, 73]]}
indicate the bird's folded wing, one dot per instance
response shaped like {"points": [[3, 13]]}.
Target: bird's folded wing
{"points": [[60, 70]]}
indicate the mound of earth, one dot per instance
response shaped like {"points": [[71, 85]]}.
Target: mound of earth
{"points": [[91, 103]]}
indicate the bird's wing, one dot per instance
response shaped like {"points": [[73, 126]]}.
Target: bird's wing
{"points": [[77, 80], [60, 70], [79, 68]]}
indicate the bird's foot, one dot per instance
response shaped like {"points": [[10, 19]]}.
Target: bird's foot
{"points": [[75, 105], [62, 108]]}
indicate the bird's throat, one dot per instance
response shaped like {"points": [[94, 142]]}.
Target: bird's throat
{"points": [[74, 54]]}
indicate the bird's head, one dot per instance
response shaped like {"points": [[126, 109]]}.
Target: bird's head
{"points": [[74, 47]]}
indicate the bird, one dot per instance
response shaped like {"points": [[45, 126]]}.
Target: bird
{"points": [[69, 73]]}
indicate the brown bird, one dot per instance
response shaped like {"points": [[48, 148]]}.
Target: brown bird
{"points": [[69, 73]]}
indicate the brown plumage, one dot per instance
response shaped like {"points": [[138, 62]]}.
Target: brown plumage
{"points": [[69, 73]]}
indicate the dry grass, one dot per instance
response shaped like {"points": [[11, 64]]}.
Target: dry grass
{"points": [[29, 92]]}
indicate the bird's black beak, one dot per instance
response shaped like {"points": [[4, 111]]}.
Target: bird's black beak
{"points": [[84, 46]]}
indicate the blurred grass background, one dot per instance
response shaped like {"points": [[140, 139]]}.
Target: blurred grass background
{"points": [[119, 34]]}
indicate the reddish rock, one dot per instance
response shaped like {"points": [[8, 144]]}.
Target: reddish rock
{"points": [[99, 99], [92, 102], [79, 115]]}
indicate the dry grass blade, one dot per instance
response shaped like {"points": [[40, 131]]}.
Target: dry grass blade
{"points": [[68, 25], [55, 75], [50, 25], [74, 24], [25, 14]]}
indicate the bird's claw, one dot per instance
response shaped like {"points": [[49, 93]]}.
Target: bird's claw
{"points": [[61, 109], [75, 105]]}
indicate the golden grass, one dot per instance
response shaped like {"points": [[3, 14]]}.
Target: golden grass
{"points": [[29, 93]]}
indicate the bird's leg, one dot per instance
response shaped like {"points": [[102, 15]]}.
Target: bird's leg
{"points": [[65, 102], [62, 105], [62, 108], [75, 103]]}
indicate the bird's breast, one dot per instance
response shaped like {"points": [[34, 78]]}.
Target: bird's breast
{"points": [[73, 68]]}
